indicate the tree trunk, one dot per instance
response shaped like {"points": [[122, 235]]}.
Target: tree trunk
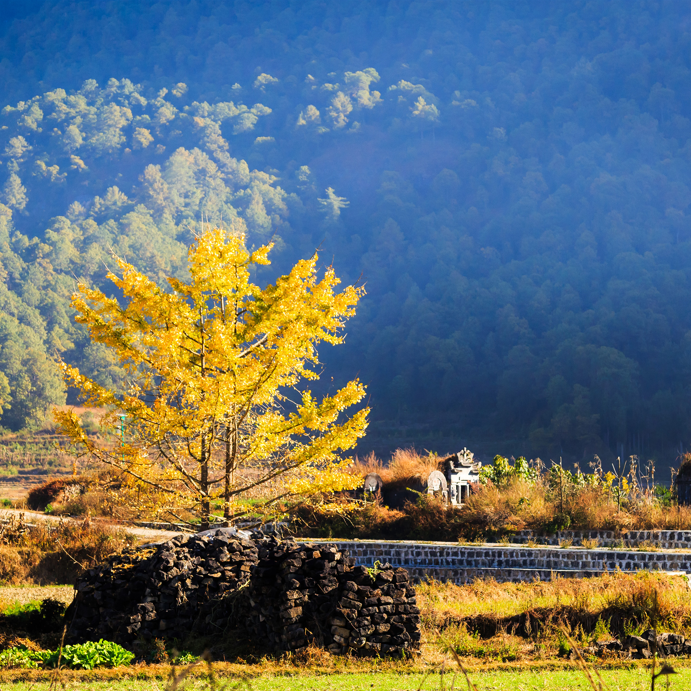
{"points": [[205, 452], [204, 486], [226, 492], [230, 463]]}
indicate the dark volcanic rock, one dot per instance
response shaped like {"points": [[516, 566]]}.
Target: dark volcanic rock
{"points": [[158, 592], [295, 595]]}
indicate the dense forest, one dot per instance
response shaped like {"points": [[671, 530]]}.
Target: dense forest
{"points": [[510, 180]]}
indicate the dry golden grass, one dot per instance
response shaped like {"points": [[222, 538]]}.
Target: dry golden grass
{"points": [[405, 465], [652, 516], [24, 594], [522, 622], [80, 410], [44, 554], [517, 506], [486, 596]]}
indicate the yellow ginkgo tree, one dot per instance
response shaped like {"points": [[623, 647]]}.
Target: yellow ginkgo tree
{"points": [[217, 405]]}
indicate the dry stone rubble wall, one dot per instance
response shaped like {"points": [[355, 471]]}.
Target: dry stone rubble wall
{"points": [[296, 589], [158, 591], [285, 594]]}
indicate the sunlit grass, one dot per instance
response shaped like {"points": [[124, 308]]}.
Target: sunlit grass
{"points": [[486, 596], [635, 679]]}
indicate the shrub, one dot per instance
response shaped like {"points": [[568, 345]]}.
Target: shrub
{"points": [[405, 466], [429, 518], [50, 492], [663, 495], [347, 518]]}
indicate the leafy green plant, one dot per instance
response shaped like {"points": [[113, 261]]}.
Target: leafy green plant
{"points": [[89, 655], [375, 570], [80, 656], [663, 495], [601, 630], [17, 609], [20, 657], [185, 658], [501, 471]]}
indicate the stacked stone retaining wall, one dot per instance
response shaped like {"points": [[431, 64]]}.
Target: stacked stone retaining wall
{"points": [[662, 539], [447, 561], [282, 593]]}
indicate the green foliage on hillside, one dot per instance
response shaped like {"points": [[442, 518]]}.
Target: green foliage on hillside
{"points": [[511, 180]]}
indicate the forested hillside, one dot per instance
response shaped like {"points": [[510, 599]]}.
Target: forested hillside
{"points": [[511, 180]]}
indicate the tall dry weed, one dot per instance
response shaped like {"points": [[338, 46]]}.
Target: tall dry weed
{"points": [[493, 511], [625, 601], [650, 515], [405, 465], [370, 464], [591, 508], [408, 464]]}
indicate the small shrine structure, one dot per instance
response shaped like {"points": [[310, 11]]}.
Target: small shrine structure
{"points": [[454, 483]]}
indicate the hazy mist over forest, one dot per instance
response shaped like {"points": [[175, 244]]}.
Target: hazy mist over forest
{"points": [[511, 180]]}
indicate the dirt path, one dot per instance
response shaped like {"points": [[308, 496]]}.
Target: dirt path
{"points": [[145, 534]]}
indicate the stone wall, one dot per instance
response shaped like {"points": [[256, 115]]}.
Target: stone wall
{"points": [[663, 539], [283, 594], [447, 561]]}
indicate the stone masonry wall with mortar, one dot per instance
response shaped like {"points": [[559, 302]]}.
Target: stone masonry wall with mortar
{"points": [[447, 561], [662, 539]]}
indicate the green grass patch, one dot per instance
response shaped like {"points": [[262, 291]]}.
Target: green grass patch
{"points": [[529, 680], [16, 608]]}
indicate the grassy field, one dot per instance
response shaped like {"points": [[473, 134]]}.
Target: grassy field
{"points": [[472, 621], [453, 617], [484, 622], [634, 679]]}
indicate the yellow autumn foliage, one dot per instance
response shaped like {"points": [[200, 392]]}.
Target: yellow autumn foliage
{"points": [[217, 406]]}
